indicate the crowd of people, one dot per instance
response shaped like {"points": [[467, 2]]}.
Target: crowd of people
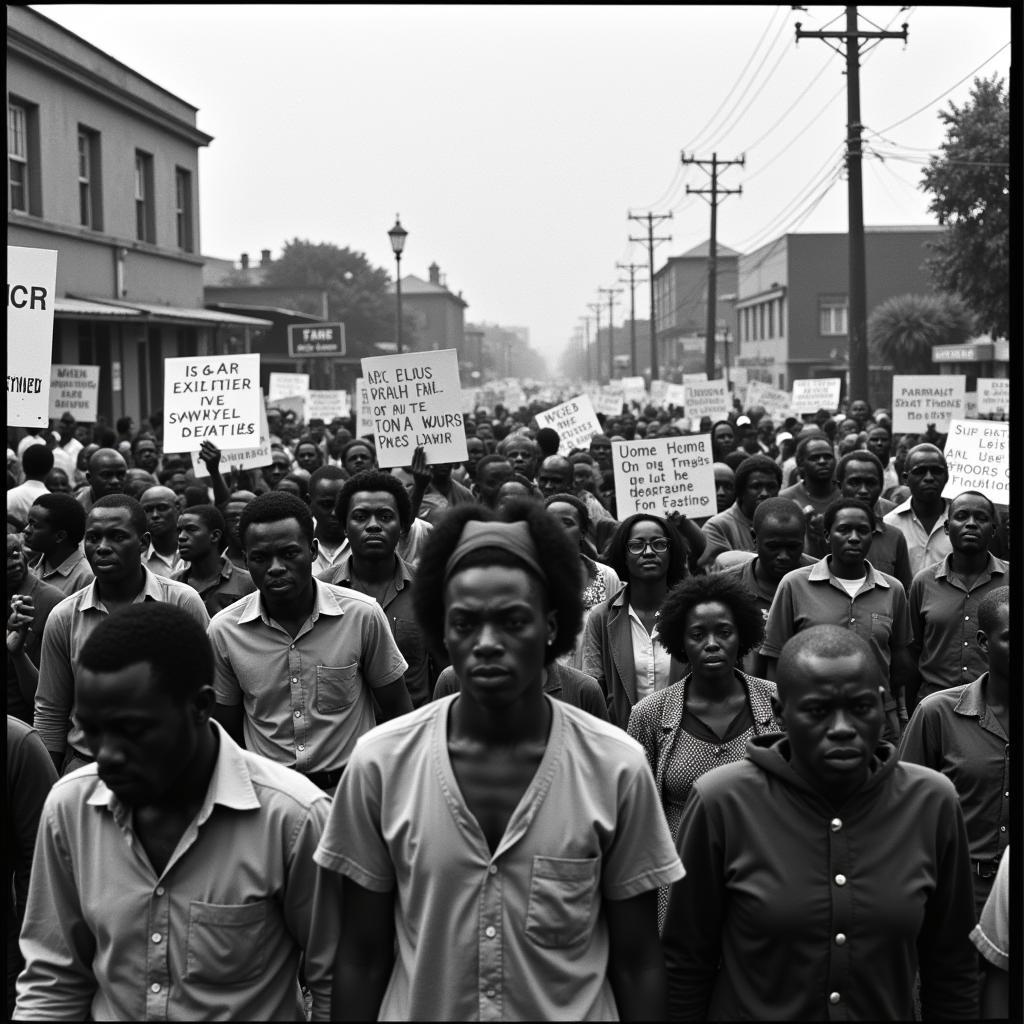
{"points": [[321, 740]]}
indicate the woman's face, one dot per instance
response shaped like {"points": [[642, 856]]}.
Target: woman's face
{"points": [[710, 638], [569, 517], [647, 565]]}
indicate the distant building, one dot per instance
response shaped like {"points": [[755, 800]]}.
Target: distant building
{"points": [[622, 352], [792, 301], [438, 314], [103, 167]]}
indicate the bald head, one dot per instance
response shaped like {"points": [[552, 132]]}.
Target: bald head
{"points": [[106, 473], [554, 475], [161, 507]]}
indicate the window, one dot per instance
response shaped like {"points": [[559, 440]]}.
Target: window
{"points": [[90, 211], [832, 314], [145, 228], [771, 319], [23, 191], [183, 207]]}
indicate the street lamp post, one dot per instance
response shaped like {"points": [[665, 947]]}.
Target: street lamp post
{"points": [[397, 235]]}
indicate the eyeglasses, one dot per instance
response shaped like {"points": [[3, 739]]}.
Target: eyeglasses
{"points": [[637, 547]]}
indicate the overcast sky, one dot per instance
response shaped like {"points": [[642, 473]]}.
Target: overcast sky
{"points": [[515, 140]]}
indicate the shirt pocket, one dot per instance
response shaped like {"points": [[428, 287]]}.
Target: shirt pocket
{"points": [[881, 628], [337, 688], [562, 908], [227, 943]]}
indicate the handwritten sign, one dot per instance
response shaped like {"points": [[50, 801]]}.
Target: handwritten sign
{"points": [[978, 458], [659, 388], [814, 393], [675, 395], [778, 404], [695, 378], [927, 398], [364, 420], [665, 474], [286, 385], [574, 421], [707, 398], [214, 398], [634, 389], [74, 389], [241, 458], [31, 294], [994, 396], [325, 405], [609, 401], [416, 402]]}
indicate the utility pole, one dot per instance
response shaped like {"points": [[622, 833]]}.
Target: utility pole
{"points": [[857, 314], [595, 308], [651, 219], [611, 293], [586, 348], [632, 268], [714, 192]]}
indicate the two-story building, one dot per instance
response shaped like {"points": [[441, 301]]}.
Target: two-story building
{"points": [[438, 315], [103, 167]]}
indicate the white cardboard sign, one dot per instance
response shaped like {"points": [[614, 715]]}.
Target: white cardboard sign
{"points": [[778, 404], [814, 393], [214, 398], [695, 378], [994, 396], [978, 458], [664, 474], [659, 389], [325, 405], [574, 421], [416, 401], [364, 422], [634, 389], [31, 294], [74, 389], [287, 385], [256, 457], [920, 399], [676, 395], [707, 398], [609, 401]]}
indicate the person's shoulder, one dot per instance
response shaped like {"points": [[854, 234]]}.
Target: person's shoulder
{"points": [[729, 780], [587, 732], [177, 591], [46, 592], [940, 702], [924, 782], [273, 781], [347, 597], [404, 732], [232, 614]]}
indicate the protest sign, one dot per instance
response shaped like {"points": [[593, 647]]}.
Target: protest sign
{"points": [[215, 398], [241, 458], [415, 402], [664, 474], [738, 376], [574, 421], [814, 393], [778, 404], [922, 399], [31, 294], [994, 396], [675, 395], [609, 401], [287, 385], [707, 398], [978, 459], [74, 389], [970, 405], [695, 378], [325, 405], [659, 388], [364, 421], [634, 389]]}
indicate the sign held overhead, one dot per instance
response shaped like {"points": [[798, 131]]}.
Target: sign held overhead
{"points": [[31, 288]]}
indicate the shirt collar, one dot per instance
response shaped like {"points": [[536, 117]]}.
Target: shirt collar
{"points": [[153, 553], [972, 700], [150, 592], [821, 571], [325, 602], [945, 567]]}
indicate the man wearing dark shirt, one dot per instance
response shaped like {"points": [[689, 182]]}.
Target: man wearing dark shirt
{"points": [[200, 542]]}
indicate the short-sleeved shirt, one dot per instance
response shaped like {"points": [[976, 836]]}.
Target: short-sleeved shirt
{"points": [[944, 617], [162, 565], [232, 583], [730, 530], [923, 546], [410, 546], [72, 574], [21, 498], [812, 596], [307, 697], [70, 624], [798, 493], [517, 934], [991, 935]]}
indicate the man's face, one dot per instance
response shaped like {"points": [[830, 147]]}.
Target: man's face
{"points": [[17, 566], [280, 561], [522, 457], [277, 470], [321, 501], [161, 510], [779, 545], [232, 515], [147, 456], [879, 444], [512, 490], [40, 534], [485, 431], [141, 737], [759, 485], [582, 476], [308, 457], [861, 480], [926, 475], [113, 548], [832, 714], [970, 524], [569, 518], [358, 458], [627, 426], [555, 476], [860, 412], [819, 461], [849, 540], [748, 440], [106, 473], [66, 428], [601, 449], [475, 451], [195, 539], [57, 482], [490, 478], [372, 525], [496, 629], [177, 482], [995, 644], [725, 486], [723, 439]]}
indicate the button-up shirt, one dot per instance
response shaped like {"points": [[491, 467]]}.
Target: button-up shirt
{"points": [[327, 558], [517, 934], [650, 660], [70, 624], [72, 574], [307, 697], [730, 530], [923, 546], [231, 584], [162, 565], [216, 935], [944, 617], [21, 498]]}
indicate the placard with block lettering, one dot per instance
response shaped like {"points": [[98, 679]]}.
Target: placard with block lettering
{"points": [[923, 399], [325, 405], [574, 421], [287, 385], [31, 293], [978, 459], [416, 402], [74, 389], [664, 474], [707, 398], [813, 393], [994, 396], [215, 398], [609, 401], [254, 457]]}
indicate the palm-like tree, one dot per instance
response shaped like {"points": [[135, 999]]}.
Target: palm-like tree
{"points": [[903, 330]]}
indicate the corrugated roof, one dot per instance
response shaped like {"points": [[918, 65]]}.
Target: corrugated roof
{"points": [[180, 314], [68, 306]]}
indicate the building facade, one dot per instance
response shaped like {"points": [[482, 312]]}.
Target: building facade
{"points": [[103, 167], [437, 315]]}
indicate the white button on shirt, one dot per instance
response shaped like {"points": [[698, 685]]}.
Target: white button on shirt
{"points": [[651, 662]]}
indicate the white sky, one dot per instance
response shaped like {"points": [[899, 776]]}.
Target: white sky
{"points": [[514, 140]]}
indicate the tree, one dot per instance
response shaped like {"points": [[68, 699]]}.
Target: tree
{"points": [[970, 184], [356, 291], [903, 330]]}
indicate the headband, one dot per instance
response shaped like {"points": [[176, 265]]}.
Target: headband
{"points": [[512, 537]]}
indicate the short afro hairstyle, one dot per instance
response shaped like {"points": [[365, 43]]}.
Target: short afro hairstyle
{"points": [[486, 460], [210, 516], [577, 503], [300, 480], [66, 513], [989, 607], [755, 464], [615, 549], [822, 642], [839, 504], [858, 455], [375, 480], [273, 507], [724, 588], [563, 588], [976, 494], [136, 513], [785, 510], [806, 437], [326, 473], [518, 438], [355, 443], [36, 461], [162, 635]]}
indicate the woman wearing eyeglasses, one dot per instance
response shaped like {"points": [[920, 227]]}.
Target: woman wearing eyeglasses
{"points": [[620, 645]]}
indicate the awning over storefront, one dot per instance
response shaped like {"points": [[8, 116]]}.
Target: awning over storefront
{"points": [[69, 307], [152, 312]]}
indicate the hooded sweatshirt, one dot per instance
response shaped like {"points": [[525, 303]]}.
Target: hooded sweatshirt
{"points": [[794, 909]]}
